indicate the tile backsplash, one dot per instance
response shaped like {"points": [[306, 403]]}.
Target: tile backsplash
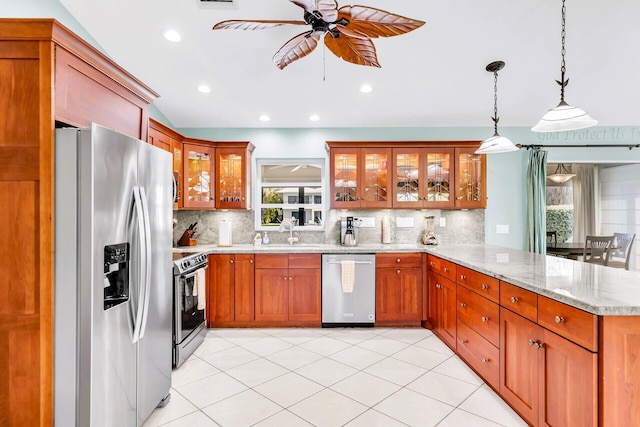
{"points": [[462, 226]]}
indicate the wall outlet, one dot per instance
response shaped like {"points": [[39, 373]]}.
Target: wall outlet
{"points": [[367, 222], [404, 222], [502, 229], [443, 221]]}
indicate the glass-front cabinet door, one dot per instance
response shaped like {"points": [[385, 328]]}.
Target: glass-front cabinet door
{"points": [[471, 185], [407, 191], [423, 178], [375, 191], [178, 166], [231, 178], [198, 173], [344, 178], [438, 188]]}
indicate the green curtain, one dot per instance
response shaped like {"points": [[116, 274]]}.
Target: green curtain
{"points": [[537, 202]]}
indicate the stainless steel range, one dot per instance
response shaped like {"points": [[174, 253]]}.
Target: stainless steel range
{"points": [[189, 320]]}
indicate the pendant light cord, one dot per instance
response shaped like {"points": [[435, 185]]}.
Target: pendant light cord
{"points": [[495, 118], [563, 68]]}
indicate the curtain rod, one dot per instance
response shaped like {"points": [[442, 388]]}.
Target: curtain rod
{"points": [[539, 146]]}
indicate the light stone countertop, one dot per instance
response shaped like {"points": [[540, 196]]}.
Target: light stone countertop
{"points": [[593, 288]]}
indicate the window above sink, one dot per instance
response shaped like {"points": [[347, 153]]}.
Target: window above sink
{"points": [[290, 188]]}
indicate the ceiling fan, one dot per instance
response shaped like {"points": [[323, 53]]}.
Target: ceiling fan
{"points": [[347, 31]]}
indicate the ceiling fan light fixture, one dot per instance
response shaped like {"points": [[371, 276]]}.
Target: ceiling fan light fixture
{"points": [[561, 174], [564, 117], [496, 144]]}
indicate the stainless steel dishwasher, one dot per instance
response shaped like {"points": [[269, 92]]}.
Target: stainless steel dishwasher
{"points": [[343, 308]]}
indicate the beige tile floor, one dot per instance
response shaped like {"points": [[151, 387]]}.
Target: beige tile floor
{"points": [[328, 377]]}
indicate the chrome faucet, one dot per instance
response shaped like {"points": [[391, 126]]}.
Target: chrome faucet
{"points": [[288, 224]]}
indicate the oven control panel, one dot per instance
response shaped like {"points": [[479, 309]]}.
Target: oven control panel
{"points": [[190, 262]]}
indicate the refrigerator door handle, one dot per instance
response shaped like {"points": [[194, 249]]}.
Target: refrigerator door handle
{"points": [[137, 313], [147, 259]]}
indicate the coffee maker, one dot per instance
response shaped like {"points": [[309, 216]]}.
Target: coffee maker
{"points": [[349, 231]]}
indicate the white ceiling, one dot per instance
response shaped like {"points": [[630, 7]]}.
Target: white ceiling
{"points": [[433, 76]]}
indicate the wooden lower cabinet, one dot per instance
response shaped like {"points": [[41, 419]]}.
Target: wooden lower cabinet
{"points": [[548, 379], [398, 294], [230, 288], [442, 312], [290, 293]]}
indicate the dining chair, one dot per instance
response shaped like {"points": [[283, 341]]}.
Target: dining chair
{"points": [[552, 237], [596, 249], [621, 252]]}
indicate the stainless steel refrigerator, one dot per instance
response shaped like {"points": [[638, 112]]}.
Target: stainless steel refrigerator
{"points": [[113, 278]]}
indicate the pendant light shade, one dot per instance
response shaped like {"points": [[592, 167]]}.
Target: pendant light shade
{"points": [[496, 144], [564, 117], [561, 175]]}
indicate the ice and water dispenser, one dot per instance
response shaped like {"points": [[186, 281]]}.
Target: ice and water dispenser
{"points": [[116, 275]]}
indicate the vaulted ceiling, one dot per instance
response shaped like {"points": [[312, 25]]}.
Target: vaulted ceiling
{"points": [[433, 76]]}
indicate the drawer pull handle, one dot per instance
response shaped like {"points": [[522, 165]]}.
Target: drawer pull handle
{"points": [[398, 260], [559, 319], [463, 277], [464, 341], [446, 270], [398, 271], [485, 319], [536, 344], [485, 360], [485, 287], [514, 299], [463, 305]]}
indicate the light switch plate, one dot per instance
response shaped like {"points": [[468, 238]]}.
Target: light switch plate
{"points": [[367, 222], [502, 229], [404, 222]]}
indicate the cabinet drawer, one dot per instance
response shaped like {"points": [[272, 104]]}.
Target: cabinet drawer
{"points": [[479, 353], [399, 260], [480, 314], [442, 267], [272, 261], [572, 323], [304, 260], [520, 301], [484, 285]]}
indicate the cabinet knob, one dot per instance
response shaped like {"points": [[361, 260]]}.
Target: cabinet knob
{"points": [[290, 278], [559, 319], [485, 319], [438, 286], [514, 299], [446, 270], [485, 287], [463, 305], [463, 277], [485, 360], [398, 271], [536, 344], [464, 341], [285, 277], [243, 199], [250, 261], [398, 260], [231, 261]]}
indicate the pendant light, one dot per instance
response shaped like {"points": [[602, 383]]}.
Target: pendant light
{"points": [[497, 143], [564, 117], [561, 175]]}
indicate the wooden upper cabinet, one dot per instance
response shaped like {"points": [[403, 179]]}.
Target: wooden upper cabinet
{"points": [[422, 178], [359, 178], [471, 181], [169, 140], [233, 176], [412, 175], [199, 161]]}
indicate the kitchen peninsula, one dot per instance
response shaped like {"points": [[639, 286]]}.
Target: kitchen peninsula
{"points": [[556, 338]]}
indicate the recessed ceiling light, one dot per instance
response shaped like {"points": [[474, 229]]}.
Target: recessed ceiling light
{"points": [[172, 36], [366, 88], [264, 118], [204, 89], [314, 117]]}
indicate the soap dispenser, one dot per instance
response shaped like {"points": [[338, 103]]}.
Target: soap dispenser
{"points": [[265, 239]]}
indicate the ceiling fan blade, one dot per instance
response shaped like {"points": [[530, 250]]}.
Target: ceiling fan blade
{"points": [[377, 23], [253, 25], [356, 50], [296, 48], [296, 168], [327, 8]]}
